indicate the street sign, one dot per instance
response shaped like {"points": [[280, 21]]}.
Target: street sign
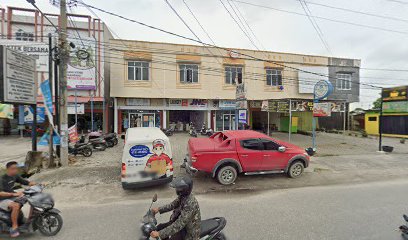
{"points": [[17, 77], [322, 89], [242, 116], [322, 109]]}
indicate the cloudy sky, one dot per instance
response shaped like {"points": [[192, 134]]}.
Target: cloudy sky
{"points": [[276, 30]]}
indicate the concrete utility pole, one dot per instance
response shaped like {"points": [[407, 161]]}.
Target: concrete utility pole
{"points": [[64, 55], [50, 128]]}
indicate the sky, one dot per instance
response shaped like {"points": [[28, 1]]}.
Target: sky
{"points": [[276, 30]]}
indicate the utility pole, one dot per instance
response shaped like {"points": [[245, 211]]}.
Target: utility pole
{"points": [[50, 128], [380, 122], [64, 55]]}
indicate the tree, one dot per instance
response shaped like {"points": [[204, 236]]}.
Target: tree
{"points": [[377, 104]]}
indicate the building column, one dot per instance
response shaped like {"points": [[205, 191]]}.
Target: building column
{"points": [[115, 115], [208, 118], [164, 119]]}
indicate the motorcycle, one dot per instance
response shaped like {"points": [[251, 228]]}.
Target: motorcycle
{"points": [[97, 143], [206, 131], [80, 148], [210, 228], [110, 138], [44, 217], [404, 228], [169, 132], [192, 130]]}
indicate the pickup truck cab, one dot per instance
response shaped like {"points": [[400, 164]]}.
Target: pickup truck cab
{"points": [[226, 154]]}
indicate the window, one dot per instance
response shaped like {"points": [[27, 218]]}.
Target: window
{"points": [[253, 144], [343, 81], [273, 77], [138, 71], [233, 75], [188, 73], [269, 145], [372, 119]]}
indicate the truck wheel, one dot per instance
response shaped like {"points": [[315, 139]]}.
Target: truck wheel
{"points": [[226, 175], [296, 169]]}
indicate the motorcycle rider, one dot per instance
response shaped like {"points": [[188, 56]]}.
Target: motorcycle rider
{"points": [[185, 221], [8, 195]]}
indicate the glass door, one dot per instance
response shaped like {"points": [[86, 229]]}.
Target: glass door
{"points": [[228, 122], [148, 120]]}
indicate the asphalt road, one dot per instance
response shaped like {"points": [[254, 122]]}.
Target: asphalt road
{"points": [[366, 211]]}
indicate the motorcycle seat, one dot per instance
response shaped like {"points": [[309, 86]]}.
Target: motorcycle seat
{"points": [[212, 225], [80, 144]]}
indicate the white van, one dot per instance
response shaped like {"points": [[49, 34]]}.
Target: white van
{"points": [[147, 159]]}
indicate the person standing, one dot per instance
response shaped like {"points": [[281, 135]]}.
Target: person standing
{"points": [[125, 124]]}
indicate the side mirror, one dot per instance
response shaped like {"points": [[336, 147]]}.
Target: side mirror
{"points": [[122, 136], [282, 149], [154, 198]]}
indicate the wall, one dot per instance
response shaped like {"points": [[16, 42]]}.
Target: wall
{"points": [[371, 127], [352, 66]]}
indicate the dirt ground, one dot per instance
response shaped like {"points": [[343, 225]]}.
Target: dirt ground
{"points": [[340, 159]]}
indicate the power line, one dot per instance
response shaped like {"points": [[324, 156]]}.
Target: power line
{"points": [[323, 18]]}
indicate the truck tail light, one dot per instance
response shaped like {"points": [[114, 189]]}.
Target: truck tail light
{"points": [[123, 173], [194, 158]]}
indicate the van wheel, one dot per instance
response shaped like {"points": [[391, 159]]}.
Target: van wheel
{"points": [[227, 175], [296, 169]]}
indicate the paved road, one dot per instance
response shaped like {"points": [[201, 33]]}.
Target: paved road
{"points": [[367, 211]]}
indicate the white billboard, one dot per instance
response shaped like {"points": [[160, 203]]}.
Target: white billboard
{"points": [[308, 76]]}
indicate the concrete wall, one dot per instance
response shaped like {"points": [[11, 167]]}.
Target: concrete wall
{"points": [[351, 66]]}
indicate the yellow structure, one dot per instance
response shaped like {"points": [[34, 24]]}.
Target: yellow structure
{"points": [[372, 123]]}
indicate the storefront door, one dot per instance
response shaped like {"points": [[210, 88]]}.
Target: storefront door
{"points": [[142, 120], [228, 122]]}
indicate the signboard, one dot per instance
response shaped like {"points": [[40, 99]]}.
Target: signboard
{"points": [[137, 101], [37, 50], [240, 92], [395, 94], [47, 95], [242, 116], [227, 104], [395, 107], [241, 104], [17, 77], [278, 106], [264, 106], [6, 111], [308, 76], [81, 72], [322, 89], [80, 108], [45, 139], [192, 103], [302, 106], [255, 104], [73, 134], [29, 114], [322, 109]]}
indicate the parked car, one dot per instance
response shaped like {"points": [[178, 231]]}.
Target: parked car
{"points": [[226, 154]]}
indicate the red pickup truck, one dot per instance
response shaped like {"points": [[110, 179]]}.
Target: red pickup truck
{"points": [[226, 154]]}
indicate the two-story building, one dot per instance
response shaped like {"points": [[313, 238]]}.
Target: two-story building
{"points": [[173, 85]]}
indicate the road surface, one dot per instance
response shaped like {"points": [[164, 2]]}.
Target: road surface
{"points": [[365, 211]]}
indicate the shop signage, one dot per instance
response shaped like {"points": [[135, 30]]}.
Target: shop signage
{"points": [[17, 77], [81, 72], [37, 50], [255, 104], [193, 103], [73, 134], [45, 139], [6, 111], [241, 104], [322, 109], [278, 106], [337, 107], [395, 107], [242, 116], [264, 106], [322, 89], [240, 92], [29, 114], [80, 108], [395, 94], [137, 102], [227, 104], [302, 106]]}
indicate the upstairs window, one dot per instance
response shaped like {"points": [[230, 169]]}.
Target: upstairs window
{"points": [[188, 73], [233, 75], [343, 81], [138, 71], [274, 77]]}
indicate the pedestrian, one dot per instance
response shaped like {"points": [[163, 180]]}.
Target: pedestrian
{"points": [[125, 124]]}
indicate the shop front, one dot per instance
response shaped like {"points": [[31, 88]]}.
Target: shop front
{"points": [[184, 113], [224, 117]]}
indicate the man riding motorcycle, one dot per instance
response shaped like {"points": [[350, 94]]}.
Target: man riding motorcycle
{"points": [[8, 196], [185, 221]]}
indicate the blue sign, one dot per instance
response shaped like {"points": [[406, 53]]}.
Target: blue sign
{"points": [[29, 114], [45, 139], [46, 91], [322, 89], [139, 151]]}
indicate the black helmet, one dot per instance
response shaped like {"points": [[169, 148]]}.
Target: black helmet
{"points": [[183, 185]]}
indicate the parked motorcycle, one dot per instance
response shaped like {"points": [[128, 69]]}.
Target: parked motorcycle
{"points": [[80, 148], [97, 143], [192, 130], [210, 228], [169, 132], [206, 131], [110, 138], [44, 218], [404, 228]]}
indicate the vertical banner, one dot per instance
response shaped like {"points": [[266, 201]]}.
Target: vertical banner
{"points": [[242, 116], [45, 139], [47, 95], [73, 134]]}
